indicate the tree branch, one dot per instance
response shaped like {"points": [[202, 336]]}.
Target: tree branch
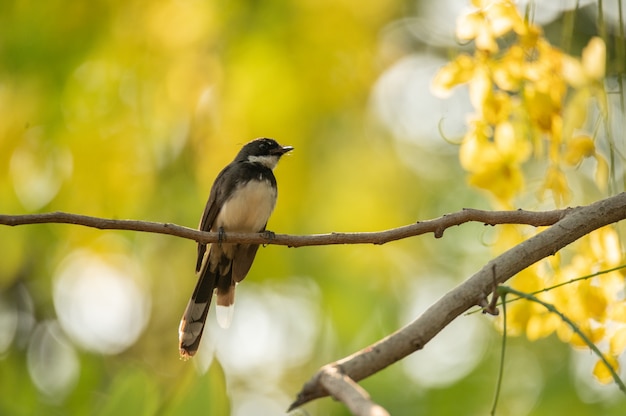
{"points": [[339, 378], [436, 226], [414, 336], [350, 393]]}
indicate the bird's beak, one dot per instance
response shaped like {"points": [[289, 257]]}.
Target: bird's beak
{"points": [[282, 150]]}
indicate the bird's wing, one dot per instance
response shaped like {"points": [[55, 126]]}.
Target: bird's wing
{"points": [[242, 261], [213, 206]]}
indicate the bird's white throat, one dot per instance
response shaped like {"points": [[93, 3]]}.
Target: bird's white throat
{"points": [[269, 161]]}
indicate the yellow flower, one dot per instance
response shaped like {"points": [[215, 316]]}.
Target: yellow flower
{"points": [[480, 88], [502, 180], [577, 149], [519, 313], [541, 325], [508, 72], [459, 71], [595, 302], [617, 343], [605, 246], [492, 20], [591, 68], [472, 27], [595, 335], [556, 183], [497, 108], [602, 373], [594, 58], [543, 109], [618, 312], [495, 165]]}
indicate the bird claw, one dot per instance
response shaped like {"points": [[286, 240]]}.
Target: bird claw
{"points": [[221, 236], [270, 235]]}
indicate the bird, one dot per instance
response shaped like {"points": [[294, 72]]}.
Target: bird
{"points": [[242, 199]]}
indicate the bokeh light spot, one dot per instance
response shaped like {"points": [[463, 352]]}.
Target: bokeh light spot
{"points": [[274, 328], [99, 304], [455, 351], [52, 361]]}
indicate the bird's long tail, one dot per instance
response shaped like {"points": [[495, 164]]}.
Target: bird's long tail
{"points": [[194, 319]]}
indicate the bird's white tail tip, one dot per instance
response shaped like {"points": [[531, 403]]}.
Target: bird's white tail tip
{"points": [[224, 315]]}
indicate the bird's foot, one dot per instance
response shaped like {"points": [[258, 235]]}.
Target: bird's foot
{"points": [[221, 236], [269, 235]]}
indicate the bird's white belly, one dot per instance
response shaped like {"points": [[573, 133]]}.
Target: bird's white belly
{"points": [[249, 208]]}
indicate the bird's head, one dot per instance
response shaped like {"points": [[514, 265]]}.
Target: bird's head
{"points": [[264, 151]]}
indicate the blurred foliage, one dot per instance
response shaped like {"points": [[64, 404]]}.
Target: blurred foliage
{"points": [[129, 110]]}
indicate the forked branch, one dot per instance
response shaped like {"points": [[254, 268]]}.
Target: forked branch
{"points": [[473, 292]]}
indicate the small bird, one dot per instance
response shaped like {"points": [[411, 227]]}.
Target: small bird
{"points": [[242, 199]]}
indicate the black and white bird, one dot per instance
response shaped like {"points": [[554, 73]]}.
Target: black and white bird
{"points": [[242, 199]]}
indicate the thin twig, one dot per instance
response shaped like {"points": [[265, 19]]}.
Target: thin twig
{"points": [[496, 396], [575, 328], [556, 286]]}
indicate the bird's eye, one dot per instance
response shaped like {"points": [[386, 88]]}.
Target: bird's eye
{"points": [[263, 146]]}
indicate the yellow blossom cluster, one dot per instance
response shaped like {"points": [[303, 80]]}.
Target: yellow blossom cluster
{"points": [[531, 101], [586, 289]]}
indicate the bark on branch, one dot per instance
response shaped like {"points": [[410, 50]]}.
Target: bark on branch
{"points": [[349, 393], [436, 226]]}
